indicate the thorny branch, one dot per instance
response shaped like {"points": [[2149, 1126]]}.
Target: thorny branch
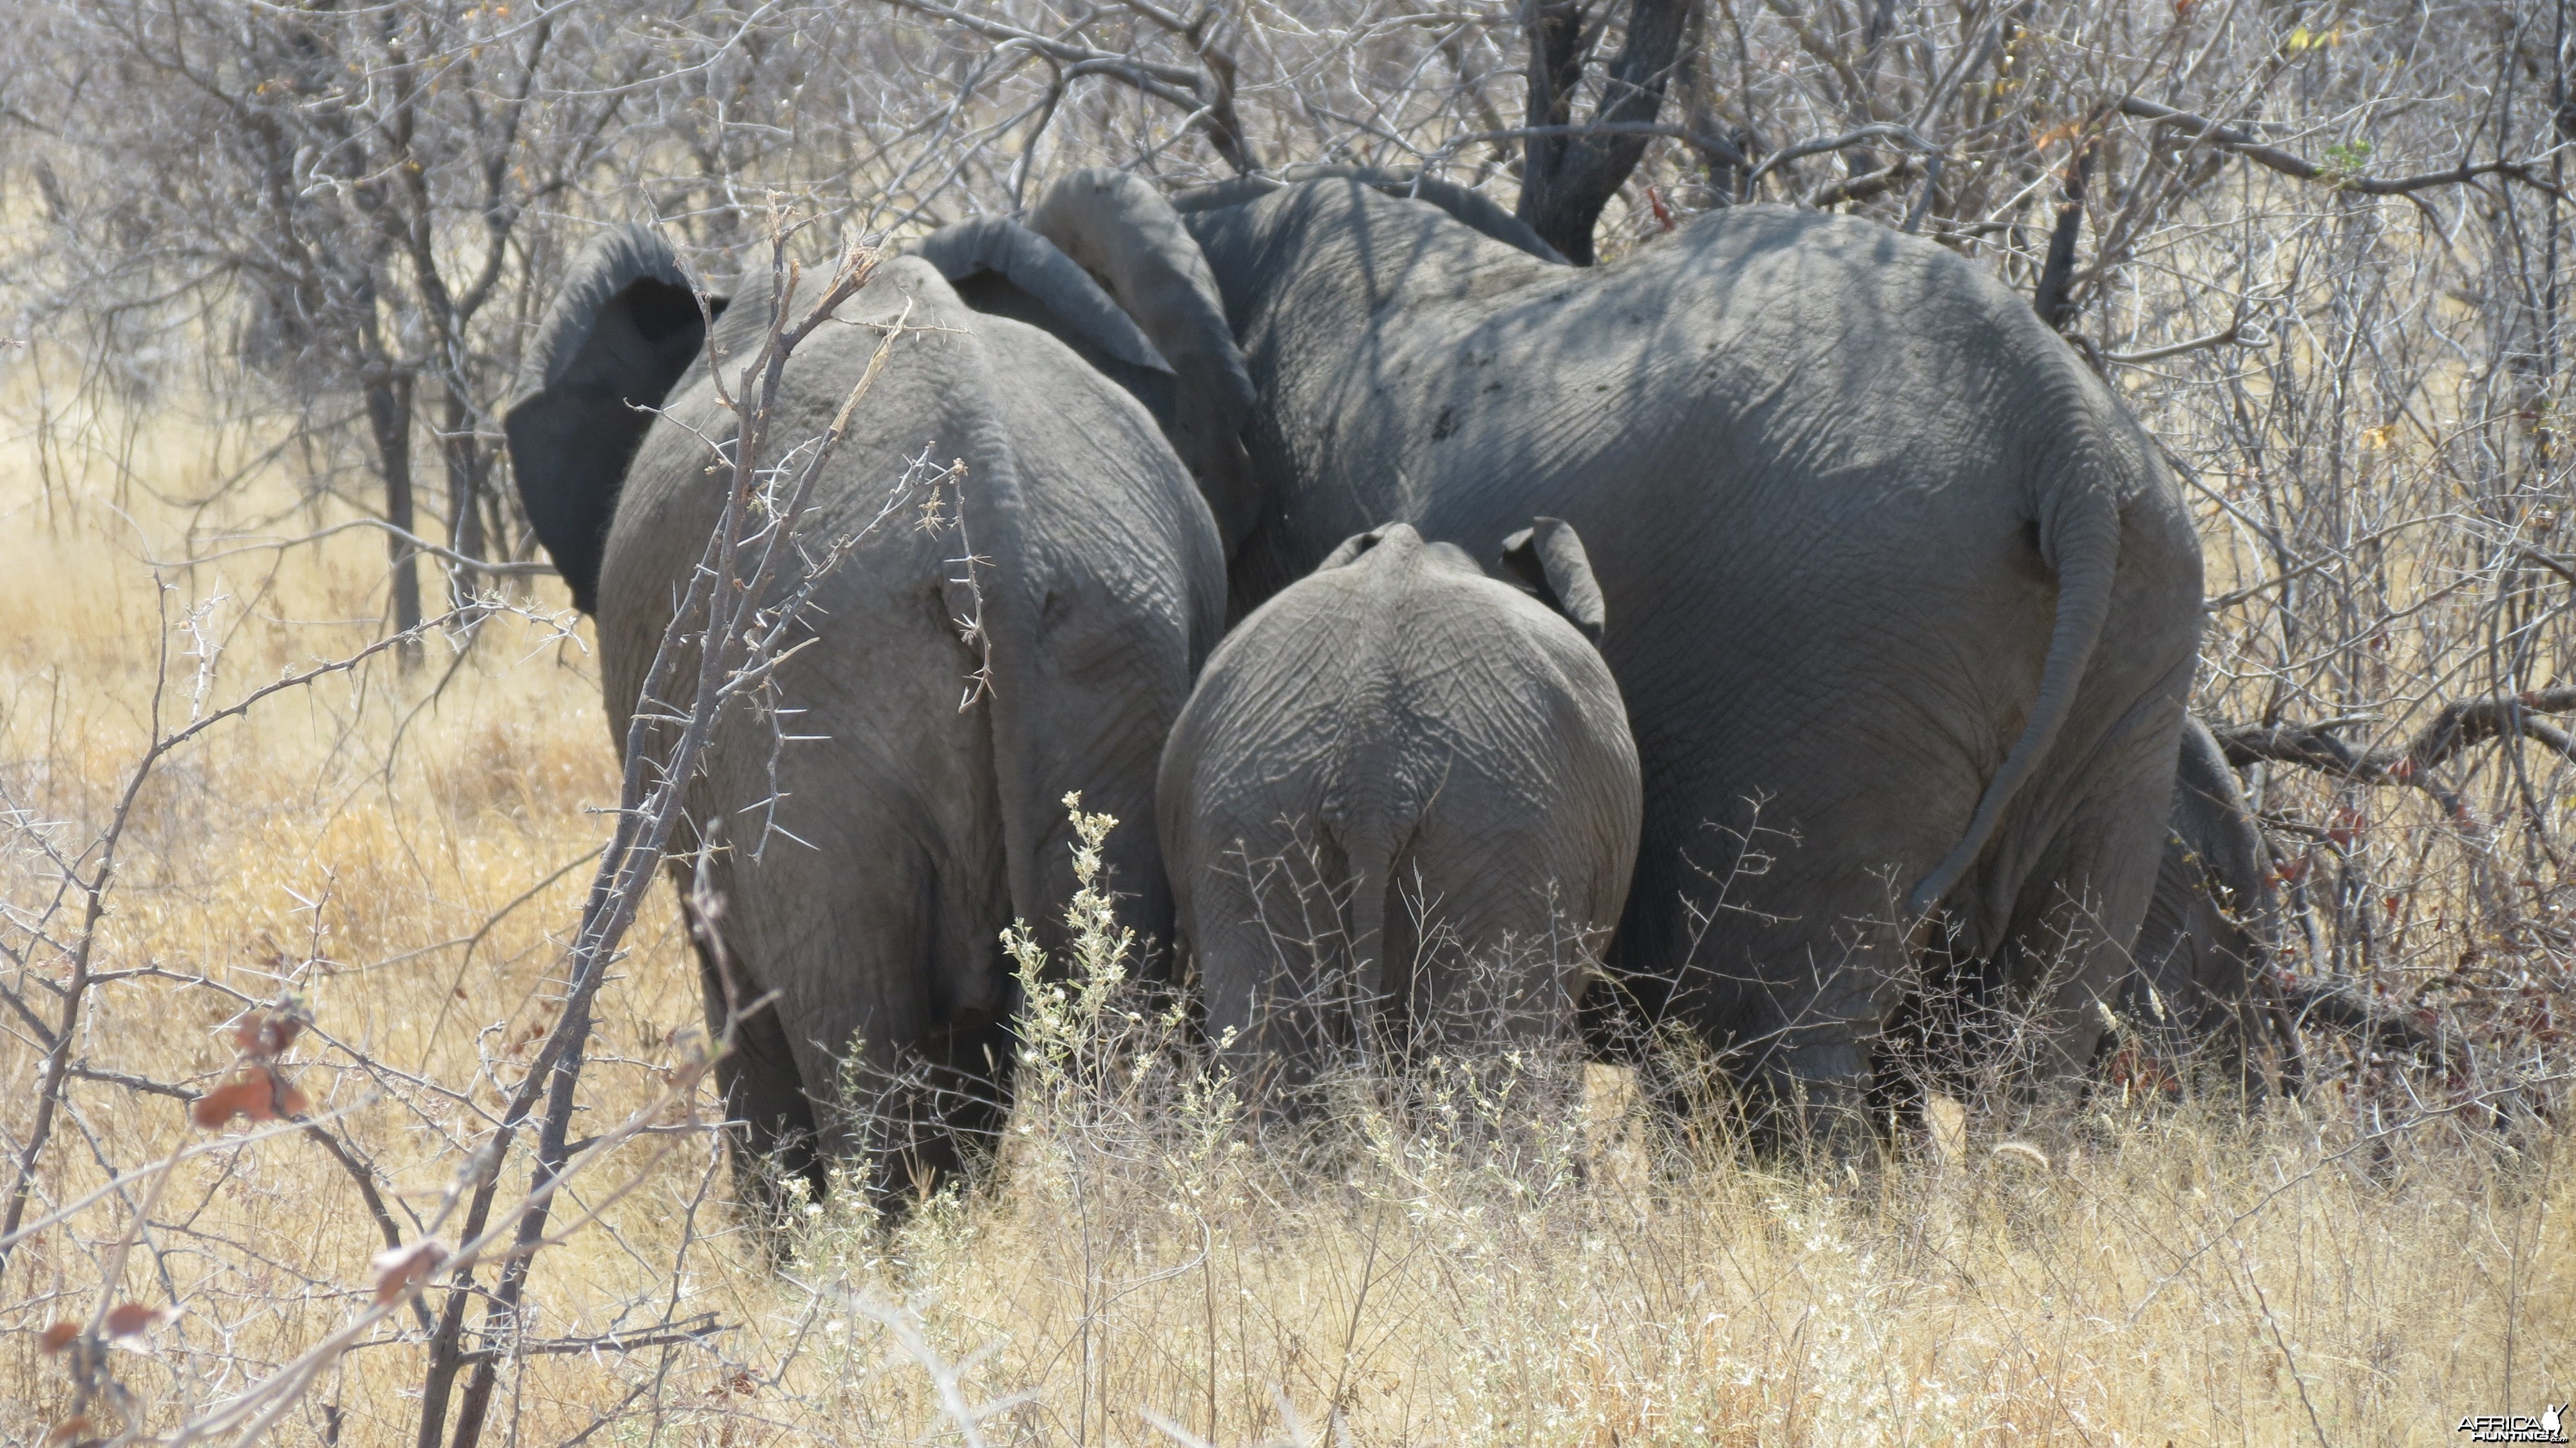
{"points": [[736, 627]]}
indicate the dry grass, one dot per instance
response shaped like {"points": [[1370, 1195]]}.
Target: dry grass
{"points": [[2326, 1272]]}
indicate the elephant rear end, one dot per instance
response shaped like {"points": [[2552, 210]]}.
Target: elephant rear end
{"points": [[1032, 582], [1401, 810]]}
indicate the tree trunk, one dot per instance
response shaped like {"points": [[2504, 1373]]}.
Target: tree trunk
{"points": [[1721, 183], [389, 417], [467, 462], [1566, 181]]}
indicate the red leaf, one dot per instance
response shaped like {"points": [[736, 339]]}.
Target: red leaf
{"points": [[398, 1268], [258, 1092], [58, 1337], [133, 1319], [265, 1034], [245, 1095], [2134, 1067], [1663, 213]]}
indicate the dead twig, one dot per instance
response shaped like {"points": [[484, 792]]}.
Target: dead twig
{"points": [[2236, 139]]}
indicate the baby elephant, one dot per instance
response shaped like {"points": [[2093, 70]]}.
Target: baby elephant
{"points": [[1401, 805]]}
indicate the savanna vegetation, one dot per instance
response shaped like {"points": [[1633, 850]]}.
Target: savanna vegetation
{"points": [[353, 1074]]}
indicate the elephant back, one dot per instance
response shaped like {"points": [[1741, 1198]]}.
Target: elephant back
{"points": [[1392, 680], [1045, 620]]}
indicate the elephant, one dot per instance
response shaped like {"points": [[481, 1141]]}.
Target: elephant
{"points": [[1909, 604], [2212, 985], [909, 830], [2201, 987], [1401, 806]]}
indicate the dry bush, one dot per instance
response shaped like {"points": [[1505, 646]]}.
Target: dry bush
{"points": [[2320, 248], [2192, 1274]]}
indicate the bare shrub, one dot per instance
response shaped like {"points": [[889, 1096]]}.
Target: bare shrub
{"points": [[273, 266]]}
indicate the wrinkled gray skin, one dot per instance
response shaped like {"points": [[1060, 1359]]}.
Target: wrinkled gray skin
{"points": [[1449, 745], [2198, 993], [1885, 558], [920, 829]]}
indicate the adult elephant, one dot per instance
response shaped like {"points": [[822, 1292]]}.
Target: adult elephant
{"points": [[1908, 604], [909, 831]]}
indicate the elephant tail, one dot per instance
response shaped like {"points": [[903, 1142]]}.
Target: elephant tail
{"points": [[1371, 856], [2082, 540]]}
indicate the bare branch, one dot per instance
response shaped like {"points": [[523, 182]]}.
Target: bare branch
{"points": [[2205, 131]]}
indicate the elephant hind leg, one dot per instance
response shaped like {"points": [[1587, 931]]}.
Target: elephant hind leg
{"points": [[923, 1063], [1931, 1039], [2064, 960], [771, 1123], [1804, 1045], [940, 1114]]}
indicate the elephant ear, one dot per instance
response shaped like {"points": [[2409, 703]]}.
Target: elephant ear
{"points": [[622, 330], [1548, 559], [1121, 230], [1350, 550], [1033, 264]]}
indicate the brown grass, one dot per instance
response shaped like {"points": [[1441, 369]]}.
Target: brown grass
{"points": [[2315, 1274]]}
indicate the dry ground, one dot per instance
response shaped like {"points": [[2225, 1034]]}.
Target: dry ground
{"points": [[2330, 1272]]}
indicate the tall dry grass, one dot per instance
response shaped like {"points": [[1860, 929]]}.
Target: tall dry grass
{"points": [[1142, 1264]]}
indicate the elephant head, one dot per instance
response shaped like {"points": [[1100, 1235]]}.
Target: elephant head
{"points": [[1002, 268], [1134, 241]]}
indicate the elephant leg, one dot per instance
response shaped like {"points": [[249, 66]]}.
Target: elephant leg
{"points": [[1763, 957], [2191, 995], [1504, 957], [2067, 950], [934, 1092], [1499, 955], [930, 1112], [1925, 1047], [770, 1121], [1812, 1045], [883, 951], [1803, 1006], [1263, 922]]}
